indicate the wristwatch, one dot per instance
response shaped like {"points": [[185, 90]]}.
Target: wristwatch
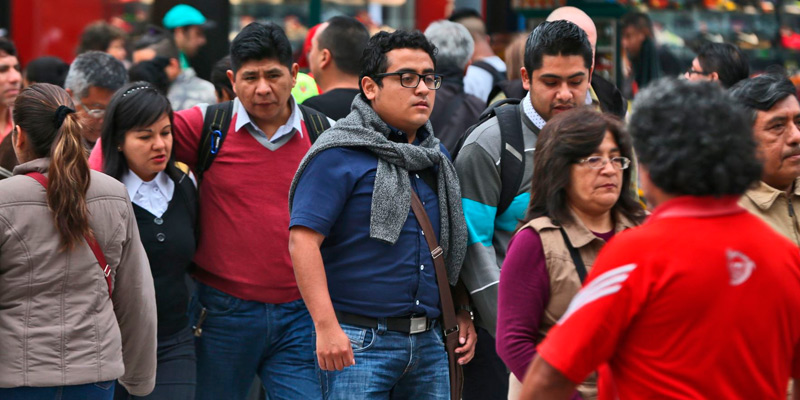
{"points": [[467, 308]]}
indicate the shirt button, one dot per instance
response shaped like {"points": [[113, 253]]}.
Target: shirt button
{"points": [[155, 189], [417, 175], [161, 237], [422, 232], [422, 268], [158, 221], [417, 302]]}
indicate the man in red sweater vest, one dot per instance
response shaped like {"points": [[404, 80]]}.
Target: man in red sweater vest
{"points": [[247, 313], [701, 301]]}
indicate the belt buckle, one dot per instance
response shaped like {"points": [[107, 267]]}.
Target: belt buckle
{"points": [[418, 325]]}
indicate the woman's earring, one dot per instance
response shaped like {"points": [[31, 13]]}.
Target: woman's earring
{"points": [[119, 148]]}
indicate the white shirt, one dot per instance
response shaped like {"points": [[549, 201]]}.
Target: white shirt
{"points": [[479, 82], [293, 124], [531, 112], [154, 196]]}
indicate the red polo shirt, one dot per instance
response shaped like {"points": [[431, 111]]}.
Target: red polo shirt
{"points": [[702, 301]]}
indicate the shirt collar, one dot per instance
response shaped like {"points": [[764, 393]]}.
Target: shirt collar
{"points": [[293, 123], [133, 183], [764, 196], [579, 235], [697, 207], [399, 136], [531, 113], [591, 97]]}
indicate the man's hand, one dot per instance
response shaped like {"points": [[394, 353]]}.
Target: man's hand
{"points": [[467, 337], [334, 351]]}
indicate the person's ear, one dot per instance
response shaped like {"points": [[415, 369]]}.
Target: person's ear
{"points": [[713, 76], [295, 69], [19, 141], [325, 59], [370, 88], [232, 79], [526, 79]]}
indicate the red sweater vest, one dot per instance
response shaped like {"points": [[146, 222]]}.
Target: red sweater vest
{"points": [[244, 211]]}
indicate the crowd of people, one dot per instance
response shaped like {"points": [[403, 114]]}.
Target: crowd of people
{"points": [[429, 222]]}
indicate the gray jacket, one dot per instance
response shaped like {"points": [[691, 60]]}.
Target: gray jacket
{"points": [[478, 167], [58, 325]]}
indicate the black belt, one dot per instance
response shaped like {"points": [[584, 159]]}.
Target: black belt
{"points": [[409, 325]]}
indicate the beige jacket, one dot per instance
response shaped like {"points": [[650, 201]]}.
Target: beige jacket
{"points": [[776, 208], [57, 323], [564, 280]]}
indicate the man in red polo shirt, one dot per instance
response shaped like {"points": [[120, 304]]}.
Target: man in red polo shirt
{"points": [[702, 301]]}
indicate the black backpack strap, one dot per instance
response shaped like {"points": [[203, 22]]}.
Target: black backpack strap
{"points": [[316, 122], [576, 257], [512, 154], [497, 76], [215, 128]]}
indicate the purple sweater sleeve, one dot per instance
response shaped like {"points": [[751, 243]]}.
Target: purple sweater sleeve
{"points": [[523, 295]]}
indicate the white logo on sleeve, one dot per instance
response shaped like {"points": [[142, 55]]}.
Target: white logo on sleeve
{"points": [[740, 267], [608, 283]]}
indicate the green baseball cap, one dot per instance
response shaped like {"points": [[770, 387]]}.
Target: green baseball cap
{"points": [[185, 15]]}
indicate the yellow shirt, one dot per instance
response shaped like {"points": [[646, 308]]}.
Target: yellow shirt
{"points": [[777, 208]]}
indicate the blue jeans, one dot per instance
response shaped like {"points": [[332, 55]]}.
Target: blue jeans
{"points": [[176, 370], [243, 338], [89, 391], [390, 365]]}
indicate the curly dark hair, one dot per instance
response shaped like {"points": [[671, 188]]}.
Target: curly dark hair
{"points": [[694, 139], [566, 138], [554, 38], [374, 61], [258, 41]]}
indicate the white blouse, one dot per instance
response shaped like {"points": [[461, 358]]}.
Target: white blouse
{"points": [[154, 196]]}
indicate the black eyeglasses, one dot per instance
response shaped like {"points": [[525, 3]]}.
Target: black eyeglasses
{"points": [[411, 79], [691, 71]]}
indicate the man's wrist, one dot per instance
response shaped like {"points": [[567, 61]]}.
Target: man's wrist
{"points": [[467, 308]]}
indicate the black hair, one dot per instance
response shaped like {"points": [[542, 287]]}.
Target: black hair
{"points": [[726, 60], [153, 72], [47, 69], [219, 77], [98, 36], [374, 60], [7, 46], [345, 38], [761, 93], [258, 41], [556, 38], [136, 105], [566, 138], [464, 13], [694, 139], [638, 20]]}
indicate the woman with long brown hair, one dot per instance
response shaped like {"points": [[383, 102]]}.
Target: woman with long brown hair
{"points": [[77, 307], [580, 198]]}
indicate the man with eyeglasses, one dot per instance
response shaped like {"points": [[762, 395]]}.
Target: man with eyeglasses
{"points": [[719, 62], [557, 71], [362, 262], [91, 81]]}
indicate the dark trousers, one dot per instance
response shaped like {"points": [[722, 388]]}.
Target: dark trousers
{"points": [[486, 376], [176, 370]]}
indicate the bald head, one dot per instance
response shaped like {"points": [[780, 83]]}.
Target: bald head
{"points": [[577, 17]]}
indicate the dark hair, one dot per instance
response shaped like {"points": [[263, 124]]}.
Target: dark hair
{"points": [[7, 46], [726, 60], [639, 21], [219, 77], [163, 46], [345, 38], [134, 106], [694, 139], [761, 93], [566, 138], [69, 176], [464, 13], [259, 42], [374, 60], [47, 69], [98, 36], [153, 72], [556, 38]]}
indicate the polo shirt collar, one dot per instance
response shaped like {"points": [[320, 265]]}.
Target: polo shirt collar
{"points": [[764, 196], [697, 207], [294, 123]]}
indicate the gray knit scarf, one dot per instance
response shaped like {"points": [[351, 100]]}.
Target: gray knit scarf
{"points": [[391, 197]]}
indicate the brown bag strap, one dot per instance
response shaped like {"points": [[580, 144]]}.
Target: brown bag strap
{"points": [[449, 322]]}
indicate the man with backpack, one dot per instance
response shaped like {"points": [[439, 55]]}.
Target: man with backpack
{"points": [[495, 168], [487, 73]]}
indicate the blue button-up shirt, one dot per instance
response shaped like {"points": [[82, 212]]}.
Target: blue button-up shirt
{"points": [[366, 276]]}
